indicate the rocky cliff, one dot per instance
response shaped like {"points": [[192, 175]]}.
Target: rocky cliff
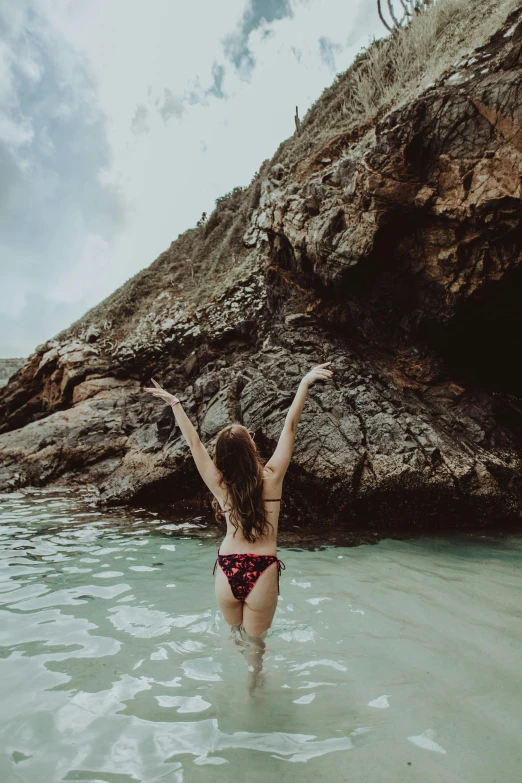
{"points": [[391, 248]]}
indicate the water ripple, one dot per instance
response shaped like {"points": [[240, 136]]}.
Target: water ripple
{"points": [[117, 667]]}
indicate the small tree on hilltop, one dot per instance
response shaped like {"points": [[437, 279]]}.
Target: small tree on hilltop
{"points": [[409, 9]]}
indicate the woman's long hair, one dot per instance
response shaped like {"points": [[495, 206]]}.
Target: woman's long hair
{"points": [[241, 466]]}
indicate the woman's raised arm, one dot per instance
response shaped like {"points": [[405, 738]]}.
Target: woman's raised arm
{"points": [[205, 465], [280, 459]]}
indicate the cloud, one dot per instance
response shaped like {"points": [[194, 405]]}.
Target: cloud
{"points": [[139, 121], [259, 13], [218, 74], [105, 157], [172, 105], [328, 50], [19, 335], [52, 149]]}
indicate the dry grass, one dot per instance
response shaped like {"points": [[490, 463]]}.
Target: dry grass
{"points": [[396, 68], [400, 60], [203, 261], [419, 54], [198, 265]]}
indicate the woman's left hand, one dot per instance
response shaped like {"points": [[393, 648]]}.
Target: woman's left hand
{"points": [[157, 391]]}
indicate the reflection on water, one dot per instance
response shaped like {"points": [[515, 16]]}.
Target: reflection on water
{"points": [[399, 661]]}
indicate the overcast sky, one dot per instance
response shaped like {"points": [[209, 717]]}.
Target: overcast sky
{"points": [[121, 121]]}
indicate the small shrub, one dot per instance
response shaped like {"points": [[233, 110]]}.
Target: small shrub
{"points": [[221, 201]]}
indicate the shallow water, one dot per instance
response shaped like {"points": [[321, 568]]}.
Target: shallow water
{"points": [[394, 662]]}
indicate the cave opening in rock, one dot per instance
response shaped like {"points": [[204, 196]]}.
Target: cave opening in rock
{"points": [[482, 343]]}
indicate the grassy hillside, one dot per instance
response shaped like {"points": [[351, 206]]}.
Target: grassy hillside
{"points": [[202, 262], [392, 70]]}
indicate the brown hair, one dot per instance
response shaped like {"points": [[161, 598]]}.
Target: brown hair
{"points": [[241, 466]]}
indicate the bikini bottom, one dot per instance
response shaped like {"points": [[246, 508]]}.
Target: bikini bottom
{"points": [[243, 571]]}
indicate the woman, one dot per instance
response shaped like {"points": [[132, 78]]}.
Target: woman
{"points": [[247, 579]]}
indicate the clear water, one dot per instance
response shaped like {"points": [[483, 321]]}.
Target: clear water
{"points": [[394, 662]]}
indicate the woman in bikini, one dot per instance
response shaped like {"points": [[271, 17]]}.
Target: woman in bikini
{"points": [[247, 580]]}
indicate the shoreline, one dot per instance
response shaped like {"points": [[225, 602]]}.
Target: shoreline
{"points": [[169, 520]]}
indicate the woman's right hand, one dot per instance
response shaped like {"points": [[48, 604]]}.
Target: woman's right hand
{"points": [[318, 373]]}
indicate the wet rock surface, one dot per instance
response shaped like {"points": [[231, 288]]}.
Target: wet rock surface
{"points": [[393, 253]]}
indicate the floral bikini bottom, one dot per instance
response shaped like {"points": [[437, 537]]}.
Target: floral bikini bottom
{"points": [[243, 571]]}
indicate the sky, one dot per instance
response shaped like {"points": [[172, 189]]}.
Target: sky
{"points": [[121, 121]]}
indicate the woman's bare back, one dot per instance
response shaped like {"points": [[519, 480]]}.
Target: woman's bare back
{"points": [[234, 541]]}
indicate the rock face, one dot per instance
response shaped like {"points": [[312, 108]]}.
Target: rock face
{"points": [[8, 367], [394, 252]]}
